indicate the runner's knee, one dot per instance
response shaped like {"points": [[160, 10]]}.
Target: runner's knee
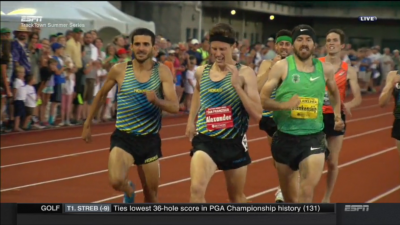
{"points": [[117, 183]]}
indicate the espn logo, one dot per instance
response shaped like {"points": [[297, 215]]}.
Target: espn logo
{"points": [[356, 208], [368, 18]]}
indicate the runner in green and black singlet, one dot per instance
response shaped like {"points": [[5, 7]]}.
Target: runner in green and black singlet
{"points": [[392, 88], [146, 88], [299, 143], [225, 97]]}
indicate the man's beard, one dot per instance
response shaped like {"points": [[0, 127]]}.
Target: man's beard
{"points": [[143, 60], [303, 57], [21, 38]]}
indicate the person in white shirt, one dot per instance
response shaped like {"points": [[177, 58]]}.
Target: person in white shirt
{"points": [[30, 103], [19, 94], [190, 82], [67, 90]]}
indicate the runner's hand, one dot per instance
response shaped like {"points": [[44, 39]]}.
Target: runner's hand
{"points": [[86, 133], [396, 79], [235, 78], [292, 103], [190, 131], [339, 124], [151, 96], [347, 109]]}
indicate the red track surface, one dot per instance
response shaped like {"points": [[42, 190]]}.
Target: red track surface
{"points": [[57, 166]]}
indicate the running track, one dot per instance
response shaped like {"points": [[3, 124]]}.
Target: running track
{"points": [[57, 166]]}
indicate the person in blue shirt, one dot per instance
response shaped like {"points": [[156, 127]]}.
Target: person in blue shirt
{"points": [[59, 79]]}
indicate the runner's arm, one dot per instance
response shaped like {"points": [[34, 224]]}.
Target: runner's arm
{"points": [[194, 108], [274, 77], [101, 96], [334, 95], [387, 90], [249, 94], [355, 88], [262, 75], [170, 103]]}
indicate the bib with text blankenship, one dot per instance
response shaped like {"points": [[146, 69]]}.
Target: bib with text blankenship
{"points": [[219, 118], [308, 109]]}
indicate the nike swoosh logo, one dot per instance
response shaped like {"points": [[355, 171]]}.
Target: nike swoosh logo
{"points": [[312, 149], [312, 79], [303, 30]]}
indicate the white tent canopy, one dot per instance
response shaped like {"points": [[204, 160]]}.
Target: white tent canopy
{"points": [[63, 16]]}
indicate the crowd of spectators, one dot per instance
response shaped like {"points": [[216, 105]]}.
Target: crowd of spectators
{"points": [[51, 81]]}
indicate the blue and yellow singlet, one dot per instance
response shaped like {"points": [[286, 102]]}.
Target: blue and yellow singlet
{"points": [[222, 114], [267, 113], [135, 114]]}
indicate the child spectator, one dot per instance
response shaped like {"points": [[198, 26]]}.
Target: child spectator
{"points": [[123, 55], [190, 82], [59, 80], [19, 97], [30, 103], [46, 86], [67, 91]]}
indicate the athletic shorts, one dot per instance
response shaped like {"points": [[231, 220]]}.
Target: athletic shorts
{"points": [[143, 148], [19, 108], [89, 89], [329, 125], [268, 125], [178, 81], [56, 96], [396, 129], [227, 154], [291, 149]]}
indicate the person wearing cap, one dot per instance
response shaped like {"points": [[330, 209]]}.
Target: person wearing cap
{"points": [[73, 47], [271, 53], [20, 50], [300, 119], [123, 55], [59, 80], [224, 98], [136, 140], [193, 46], [5, 33]]}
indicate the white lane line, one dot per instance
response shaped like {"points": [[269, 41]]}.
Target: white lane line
{"points": [[108, 133], [325, 171], [163, 139], [255, 161], [384, 194]]}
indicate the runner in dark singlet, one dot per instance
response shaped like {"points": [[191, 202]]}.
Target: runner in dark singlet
{"points": [[392, 87], [145, 89], [224, 98], [283, 48], [344, 73]]}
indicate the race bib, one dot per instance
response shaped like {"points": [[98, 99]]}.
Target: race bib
{"points": [[327, 102], [308, 109], [219, 118]]}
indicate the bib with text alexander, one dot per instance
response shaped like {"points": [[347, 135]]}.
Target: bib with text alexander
{"points": [[308, 109], [219, 118]]}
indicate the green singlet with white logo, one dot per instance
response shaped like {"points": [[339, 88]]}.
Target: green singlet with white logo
{"points": [[307, 118]]}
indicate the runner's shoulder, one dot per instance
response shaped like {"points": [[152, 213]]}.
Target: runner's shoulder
{"points": [[199, 71]]}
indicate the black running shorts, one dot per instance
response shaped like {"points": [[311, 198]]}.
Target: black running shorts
{"points": [[227, 154], [396, 129], [329, 125], [143, 148], [291, 150], [268, 125]]}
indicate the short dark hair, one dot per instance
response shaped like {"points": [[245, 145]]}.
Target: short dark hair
{"points": [[340, 32], [303, 26], [224, 30], [29, 79], [145, 32], [284, 32], [87, 33], [191, 57]]}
